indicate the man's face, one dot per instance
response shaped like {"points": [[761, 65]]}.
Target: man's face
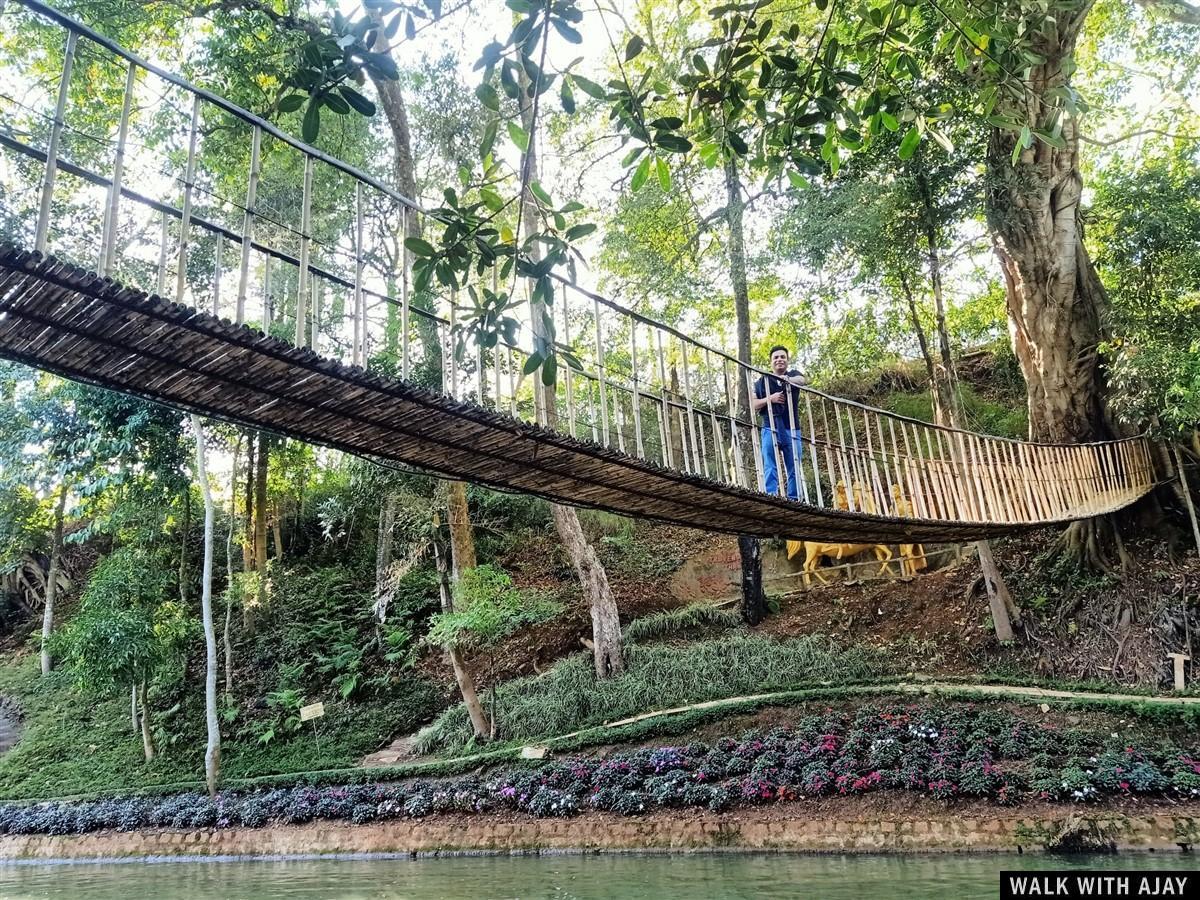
{"points": [[779, 362]]}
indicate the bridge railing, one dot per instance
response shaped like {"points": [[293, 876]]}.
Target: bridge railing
{"points": [[111, 161]]}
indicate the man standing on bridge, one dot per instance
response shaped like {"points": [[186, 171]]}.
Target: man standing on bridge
{"points": [[777, 401]]}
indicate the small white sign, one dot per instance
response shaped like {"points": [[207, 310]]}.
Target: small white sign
{"points": [[312, 711], [534, 752]]}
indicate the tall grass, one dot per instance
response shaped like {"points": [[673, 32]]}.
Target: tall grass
{"points": [[693, 619], [569, 697]]}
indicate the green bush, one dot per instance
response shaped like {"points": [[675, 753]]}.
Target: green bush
{"points": [[569, 697]]}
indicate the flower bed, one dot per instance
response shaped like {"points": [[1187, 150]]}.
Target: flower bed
{"points": [[959, 751]]}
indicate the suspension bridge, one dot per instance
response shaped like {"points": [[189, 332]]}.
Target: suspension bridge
{"points": [[277, 300]]}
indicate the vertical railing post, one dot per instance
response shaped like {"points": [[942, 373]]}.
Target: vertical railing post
{"points": [[360, 325], [185, 220], [266, 296], [60, 111], [718, 440], [812, 446], [600, 372], [404, 300], [216, 284], [743, 477], [637, 394], [668, 449], [163, 239], [248, 226], [108, 243], [755, 433], [702, 466], [568, 374], [302, 276]]}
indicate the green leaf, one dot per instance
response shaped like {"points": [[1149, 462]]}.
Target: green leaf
{"points": [[798, 181], [519, 136], [567, 31], [488, 97], [419, 246], [908, 146], [291, 103], [635, 46], [360, 103], [641, 174], [489, 138], [575, 232], [567, 97], [540, 192], [673, 142], [889, 121], [532, 363], [312, 120], [590, 87], [549, 371], [664, 174], [1023, 141], [336, 103]]}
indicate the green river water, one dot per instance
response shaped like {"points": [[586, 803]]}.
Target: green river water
{"points": [[611, 876]]}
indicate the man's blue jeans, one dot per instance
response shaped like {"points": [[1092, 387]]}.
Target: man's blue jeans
{"points": [[791, 451]]}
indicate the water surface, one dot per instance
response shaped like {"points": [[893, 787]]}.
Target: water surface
{"points": [[653, 877]]}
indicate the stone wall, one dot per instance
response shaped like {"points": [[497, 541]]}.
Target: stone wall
{"points": [[744, 830]]}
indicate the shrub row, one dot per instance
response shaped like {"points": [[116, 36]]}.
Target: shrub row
{"points": [[569, 697], [960, 751]]}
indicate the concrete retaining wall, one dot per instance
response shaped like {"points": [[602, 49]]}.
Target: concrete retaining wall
{"points": [[734, 831]]}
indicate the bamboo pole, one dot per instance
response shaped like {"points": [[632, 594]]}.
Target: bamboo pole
{"points": [[359, 311], [302, 278], [602, 384], [164, 239], [216, 282], [569, 374], [248, 227], [701, 462], [718, 439], [112, 220], [405, 363], [814, 454], [636, 398], [668, 450], [60, 109], [185, 219], [756, 436]]}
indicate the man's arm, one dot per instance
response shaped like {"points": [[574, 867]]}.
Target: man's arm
{"points": [[797, 378], [759, 402]]}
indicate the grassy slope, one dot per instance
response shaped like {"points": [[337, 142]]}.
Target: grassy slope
{"points": [[77, 743]]}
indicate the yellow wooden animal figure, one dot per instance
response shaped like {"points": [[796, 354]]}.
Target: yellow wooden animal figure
{"points": [[815, 551], [912, 556]]}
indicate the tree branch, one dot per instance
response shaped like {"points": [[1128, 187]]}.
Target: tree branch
{"points": [[1175, 10], [1139, 133]]}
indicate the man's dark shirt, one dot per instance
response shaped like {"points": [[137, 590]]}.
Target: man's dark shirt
{"points": [[779, 410]]}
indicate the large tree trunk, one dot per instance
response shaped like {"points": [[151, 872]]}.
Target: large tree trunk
{"points": [[462, 536], [754, 602], [148, 749], [1054, 297], [52, 579], [607, 650], [606, 622], [212, 749], [462, 675]]}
